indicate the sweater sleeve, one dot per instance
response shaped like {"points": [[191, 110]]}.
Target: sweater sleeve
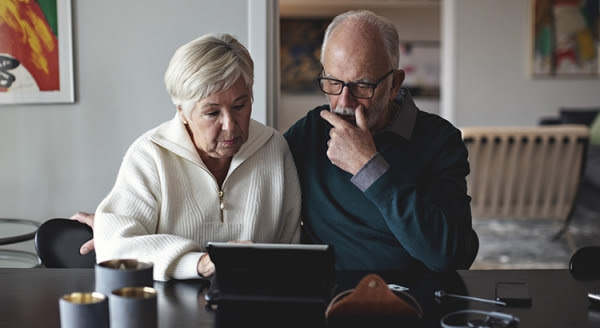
{"points": [[126, 220], [431, 220]]}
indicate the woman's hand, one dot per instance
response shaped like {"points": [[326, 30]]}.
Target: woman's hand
{"points": [[88, 219], [205, 266]]}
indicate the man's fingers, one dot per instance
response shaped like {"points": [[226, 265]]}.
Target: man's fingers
{"points": [[332, 118], [361, 118]]}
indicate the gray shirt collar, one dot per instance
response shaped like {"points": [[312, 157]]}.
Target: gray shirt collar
{"points": [[404, 120]]}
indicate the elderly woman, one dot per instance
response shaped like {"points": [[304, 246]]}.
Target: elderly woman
{"points": [[209, 174]]}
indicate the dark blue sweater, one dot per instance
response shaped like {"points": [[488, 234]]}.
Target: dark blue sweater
{"points": [[414, 218]]}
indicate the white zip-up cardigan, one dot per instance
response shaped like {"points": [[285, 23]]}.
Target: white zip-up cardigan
{"points": [[165, 204]]}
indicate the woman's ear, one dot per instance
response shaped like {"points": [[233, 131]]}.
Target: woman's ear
{"points": [[397, 82], [181, 115]]}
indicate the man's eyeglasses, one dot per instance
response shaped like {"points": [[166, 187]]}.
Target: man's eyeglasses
{"points": [[364, 90]]}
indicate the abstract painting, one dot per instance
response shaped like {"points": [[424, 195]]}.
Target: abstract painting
{"points": [[300, 52], [36, 63], [565, 38]]}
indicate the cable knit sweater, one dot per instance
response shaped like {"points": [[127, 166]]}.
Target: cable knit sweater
{"points": [[165, 204]]}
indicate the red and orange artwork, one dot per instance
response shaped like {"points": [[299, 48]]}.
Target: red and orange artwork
{"points": [[28, 47]]}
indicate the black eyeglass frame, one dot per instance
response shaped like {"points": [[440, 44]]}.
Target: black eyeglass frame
{"points": [[372, 86]]}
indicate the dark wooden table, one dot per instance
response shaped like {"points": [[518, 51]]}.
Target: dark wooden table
{"points": [[29, 298]]}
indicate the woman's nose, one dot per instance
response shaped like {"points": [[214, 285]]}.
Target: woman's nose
{"points": [[228, 122]]}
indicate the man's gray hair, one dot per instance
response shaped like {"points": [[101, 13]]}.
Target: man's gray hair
{"points": [[205, 66], [387, 31]]}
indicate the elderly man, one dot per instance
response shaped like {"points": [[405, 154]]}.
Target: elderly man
{"points": [[382, 181]]}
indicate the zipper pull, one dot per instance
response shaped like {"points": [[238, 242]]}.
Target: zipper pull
{"points": [[221, 204]]}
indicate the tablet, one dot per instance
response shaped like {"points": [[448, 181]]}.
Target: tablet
{"points": [[271, 273]]}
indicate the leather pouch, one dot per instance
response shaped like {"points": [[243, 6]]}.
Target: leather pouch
{"points": [[372, 300]]}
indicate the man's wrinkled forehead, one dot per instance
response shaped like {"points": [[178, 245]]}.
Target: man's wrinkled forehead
{"points": [[351, 55]]}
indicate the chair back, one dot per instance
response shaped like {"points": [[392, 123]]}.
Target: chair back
{"points": [[585, 262], [58, 241], [525, 172]]}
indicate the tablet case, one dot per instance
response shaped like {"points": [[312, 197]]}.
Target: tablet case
{"points": [[271, 273]]}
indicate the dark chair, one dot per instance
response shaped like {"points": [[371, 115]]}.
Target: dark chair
{"points": [[58, 241], [572, 115], [583, 116], [585, 262]]}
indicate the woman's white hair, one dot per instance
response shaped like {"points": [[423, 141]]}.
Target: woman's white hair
{"points": [[387, 31], [205, 66]]}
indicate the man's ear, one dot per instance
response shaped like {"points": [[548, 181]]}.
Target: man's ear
{"points": [[399, 76]]}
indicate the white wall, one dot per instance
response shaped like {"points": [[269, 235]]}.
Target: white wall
{"points": [[58, 159], [414, 23], [490, 85]]}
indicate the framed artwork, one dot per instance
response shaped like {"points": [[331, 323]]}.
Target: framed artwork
{"points": [[565, 40], [36, 61], [300, 53], [420, 60]]}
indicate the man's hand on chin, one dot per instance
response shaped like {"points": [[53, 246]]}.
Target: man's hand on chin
{"points": [[350, 147]]}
